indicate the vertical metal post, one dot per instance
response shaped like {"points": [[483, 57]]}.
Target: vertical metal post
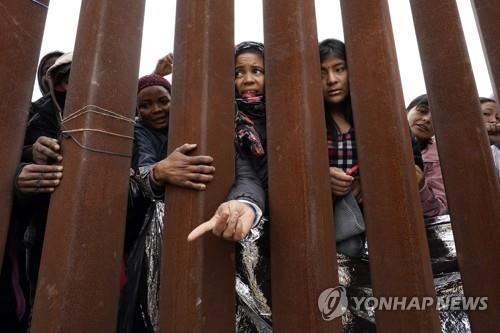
{"points": [[302, 231], [21, 23], [399, 255], [198, 279], [472, 189], [78, 285], [487, 16]]}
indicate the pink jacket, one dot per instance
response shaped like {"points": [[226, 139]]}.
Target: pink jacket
{"points": [[432, 194]]}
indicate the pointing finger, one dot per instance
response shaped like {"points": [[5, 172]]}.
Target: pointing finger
{"points": [[201, 229]]}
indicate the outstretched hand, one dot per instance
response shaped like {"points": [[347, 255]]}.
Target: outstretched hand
{"points": [[36, 178], [46, 149], [232, 221], [183, 170], [165, 65]]}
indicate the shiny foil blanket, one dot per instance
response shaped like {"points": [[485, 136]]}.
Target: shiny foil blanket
{"points": [[253, 282]]}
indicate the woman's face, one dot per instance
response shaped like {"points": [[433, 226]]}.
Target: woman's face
{"points": [[419, 119], [249, 74], [153, 103], [490, 112], [335, 80]]}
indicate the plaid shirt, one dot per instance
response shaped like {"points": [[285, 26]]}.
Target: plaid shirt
{"points": [[342, 151]]}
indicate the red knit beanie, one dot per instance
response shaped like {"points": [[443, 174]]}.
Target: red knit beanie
{"points": [[153, 80]]}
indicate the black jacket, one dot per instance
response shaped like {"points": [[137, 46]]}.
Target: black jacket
{"points": [[149, 145], [42, 121]]}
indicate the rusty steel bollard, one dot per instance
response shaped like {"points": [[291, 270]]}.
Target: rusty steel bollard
{"points": [[399, 255], [78, 284], [22, 26], [472, 189]]}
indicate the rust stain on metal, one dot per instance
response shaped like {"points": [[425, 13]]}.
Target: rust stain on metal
{"points": [[51, 290]]}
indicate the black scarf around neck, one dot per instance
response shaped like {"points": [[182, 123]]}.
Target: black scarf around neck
{"points": [[248, 111]]}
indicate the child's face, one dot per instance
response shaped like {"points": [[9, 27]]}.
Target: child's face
{"points": [[420, 121], [490, 112], [491, 118], [153, 104], [334, 80], [249, 74]]}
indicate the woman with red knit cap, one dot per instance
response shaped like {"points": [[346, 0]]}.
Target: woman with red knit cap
{"points": [[152, 169]]}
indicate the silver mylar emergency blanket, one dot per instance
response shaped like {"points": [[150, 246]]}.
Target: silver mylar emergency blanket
{"points": [[253, 312], [253, 308]]}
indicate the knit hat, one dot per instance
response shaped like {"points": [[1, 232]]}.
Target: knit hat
{"points": [[153, 80]]}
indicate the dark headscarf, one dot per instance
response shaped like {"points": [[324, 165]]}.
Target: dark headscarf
{"points": [[249, 47], [42, 70], [247, 113]]}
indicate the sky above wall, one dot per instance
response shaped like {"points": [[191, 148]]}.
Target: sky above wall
{"points": [[159, 27]]}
